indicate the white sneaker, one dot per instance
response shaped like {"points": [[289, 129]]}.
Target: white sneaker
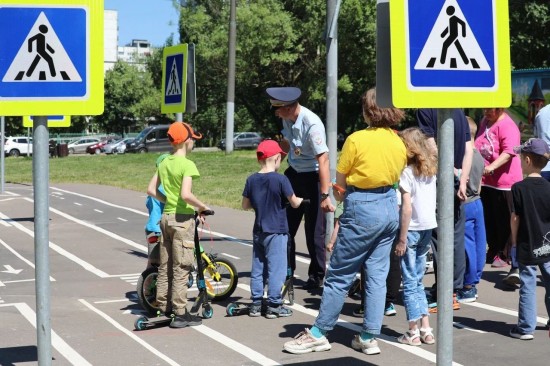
{"points": [[369, 347], [305, 342]]}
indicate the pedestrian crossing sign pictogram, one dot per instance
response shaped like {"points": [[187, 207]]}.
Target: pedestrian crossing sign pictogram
{"points": [[450, 53], [174, 79], [53, 121], [51, 59]]}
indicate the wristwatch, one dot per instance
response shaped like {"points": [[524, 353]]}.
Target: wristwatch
{"points": [[324, 196]]}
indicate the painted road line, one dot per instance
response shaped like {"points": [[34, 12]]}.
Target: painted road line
{"points": [[87, 266], [31, 264], [236, 346], [78, 204], [130, 334], [502, 310], [121, 219], [356, 328], [11, 193], [214, 233], [100, 201], [229, 255], [141, 247], [4, 223], [57, 342], [96, 210]]}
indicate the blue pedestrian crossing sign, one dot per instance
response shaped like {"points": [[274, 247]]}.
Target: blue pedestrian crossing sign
{"points": [[174, 79], [51, 61], [450, 53], [53, 121]]}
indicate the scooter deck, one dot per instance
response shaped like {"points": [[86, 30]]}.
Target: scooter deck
{"points": [[144, 322]]}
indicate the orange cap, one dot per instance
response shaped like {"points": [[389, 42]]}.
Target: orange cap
{"points": [[180, 132]]}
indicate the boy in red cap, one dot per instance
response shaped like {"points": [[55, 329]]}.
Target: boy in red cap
{"points": [[265, 192], [176, 174]]}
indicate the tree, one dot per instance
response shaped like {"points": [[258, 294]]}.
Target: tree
{"points": [[529, 33], [130, 99]]}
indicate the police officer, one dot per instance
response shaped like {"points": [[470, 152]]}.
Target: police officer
{"points": [[304, 140]]}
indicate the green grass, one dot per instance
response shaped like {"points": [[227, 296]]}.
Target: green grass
{"points": [[221, 183]]}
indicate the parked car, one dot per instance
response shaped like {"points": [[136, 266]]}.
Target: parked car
{"points": [[98, 148], [117, 147], [79, 146], [243, 140], [18, 145], [153, 138]]}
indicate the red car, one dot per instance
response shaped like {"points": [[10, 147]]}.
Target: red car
{"points": [[98, 148]]}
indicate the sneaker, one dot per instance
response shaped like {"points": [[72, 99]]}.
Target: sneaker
{"points": [[305, 342], [278, 312], [185, 320], [498, 262], [255, 310], [466, 295], [313, 283], [514, 333], [359, 311], [512, 278], [390, 310], [432, 307], [369, 347], [456, 304]]}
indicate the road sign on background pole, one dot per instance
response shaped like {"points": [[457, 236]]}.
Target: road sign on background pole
{"points": [[52, 57], [450, 53], [174, 79], [53, 121]]}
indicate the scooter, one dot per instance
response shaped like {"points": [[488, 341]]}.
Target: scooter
{"points": [[201, 301]]}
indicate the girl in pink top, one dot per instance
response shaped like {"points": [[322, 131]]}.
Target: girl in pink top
{"points": [[496, 137]]}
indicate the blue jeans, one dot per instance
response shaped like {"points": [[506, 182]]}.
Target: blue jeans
{"points": [[367, 230], [269, 262], [475, 242], [527, 315], [413, 266]]}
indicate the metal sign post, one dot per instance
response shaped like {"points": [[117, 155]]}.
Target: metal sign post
{"points": [[41, 171]]}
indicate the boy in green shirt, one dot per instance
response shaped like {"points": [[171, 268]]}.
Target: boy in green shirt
{"points": [[176, 174]]}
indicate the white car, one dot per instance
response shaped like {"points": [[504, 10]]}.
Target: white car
{"points": [[80, 145], [116, 147], [19, 145]]}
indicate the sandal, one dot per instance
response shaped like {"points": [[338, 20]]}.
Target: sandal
{"points": [[410, 337], [426, 335]]}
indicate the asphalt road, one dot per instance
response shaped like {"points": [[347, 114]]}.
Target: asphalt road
{"points": [[97, 251]]}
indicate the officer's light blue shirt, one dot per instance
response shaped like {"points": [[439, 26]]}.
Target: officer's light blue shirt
{"points": [[542, 128], [307, 140]]}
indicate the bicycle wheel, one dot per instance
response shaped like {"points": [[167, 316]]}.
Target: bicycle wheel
{"points": [[221, 280], [147, 290]]}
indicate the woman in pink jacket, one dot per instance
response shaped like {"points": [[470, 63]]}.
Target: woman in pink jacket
{"points": [[496, 137]]}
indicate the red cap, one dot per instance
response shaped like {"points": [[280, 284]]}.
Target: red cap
{"points": [[180, 132], [268, 148]]}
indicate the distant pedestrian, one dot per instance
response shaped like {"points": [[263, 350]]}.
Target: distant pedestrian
{"points": [[266, 192], [530, 225]]}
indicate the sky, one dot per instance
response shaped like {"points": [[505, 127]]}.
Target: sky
{"points": [[151, 20]]}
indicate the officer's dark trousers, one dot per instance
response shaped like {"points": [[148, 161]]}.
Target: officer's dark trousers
{"points": [[306, 185]]}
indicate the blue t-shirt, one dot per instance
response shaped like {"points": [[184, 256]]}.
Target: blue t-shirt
{"points": [[427, 121], [268, 194]]}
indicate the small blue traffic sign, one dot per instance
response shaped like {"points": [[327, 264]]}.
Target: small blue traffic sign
{"points": [[446, 51], [174, 79], [50, 54]]}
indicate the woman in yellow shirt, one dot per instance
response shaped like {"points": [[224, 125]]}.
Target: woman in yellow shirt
{"points": [[371, 162]]}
